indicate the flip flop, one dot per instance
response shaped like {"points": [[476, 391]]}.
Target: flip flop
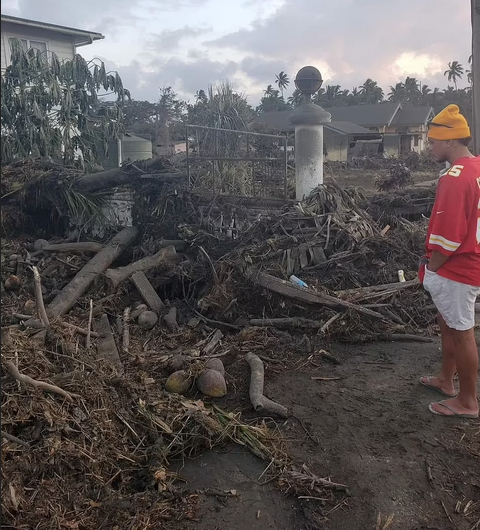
{"points": [[455, 413], [433, 387]]}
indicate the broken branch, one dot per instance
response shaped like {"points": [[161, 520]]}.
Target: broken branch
{"points": [[39, 297], [259, 402], [166, 255], [41, 385]]}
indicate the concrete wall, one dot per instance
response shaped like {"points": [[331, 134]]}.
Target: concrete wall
{"points": [[62, 45]]}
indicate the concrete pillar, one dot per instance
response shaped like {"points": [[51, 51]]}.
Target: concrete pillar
{"points": [[308, 120]]}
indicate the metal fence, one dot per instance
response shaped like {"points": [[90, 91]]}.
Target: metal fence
{"points": [[240, 163]]}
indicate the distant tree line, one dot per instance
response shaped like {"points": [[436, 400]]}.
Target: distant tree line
{"points": [[222, 107]]}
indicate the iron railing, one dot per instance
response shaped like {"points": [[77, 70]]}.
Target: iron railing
{"points": [[239, 163]]}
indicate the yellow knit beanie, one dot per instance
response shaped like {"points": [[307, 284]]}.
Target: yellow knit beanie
{"points": [[449, 124]]}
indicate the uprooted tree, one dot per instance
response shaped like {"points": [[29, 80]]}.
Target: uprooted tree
{"points": [[52, 109]]}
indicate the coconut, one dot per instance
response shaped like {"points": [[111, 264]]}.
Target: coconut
{"points": [[178, 382], [12, 283], [212, 383], [215, 364], [147, 320], [138, 311], [29, 307]]}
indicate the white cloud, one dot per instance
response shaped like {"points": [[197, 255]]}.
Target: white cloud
{"points": [[189, 44]]}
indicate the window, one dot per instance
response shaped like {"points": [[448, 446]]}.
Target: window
{"points": [[416, 141], [27, 44]]}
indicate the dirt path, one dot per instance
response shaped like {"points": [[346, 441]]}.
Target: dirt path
{"points": [[374, 433]]}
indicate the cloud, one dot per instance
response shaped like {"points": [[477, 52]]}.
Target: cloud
{"points": [[170, 39], [184, 77], [90, 14], [358, 39], [156, 43]]}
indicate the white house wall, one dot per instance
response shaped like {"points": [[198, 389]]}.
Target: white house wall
{"points": [[62, 45]]}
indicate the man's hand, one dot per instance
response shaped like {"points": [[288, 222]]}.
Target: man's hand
{"points": [[437, 259]]}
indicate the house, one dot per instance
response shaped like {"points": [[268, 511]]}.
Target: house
{"points": [[44, 37], [402, 129], [342, 140]]}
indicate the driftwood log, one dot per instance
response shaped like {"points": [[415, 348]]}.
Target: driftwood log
{"points": [[166, 255], [63, 302], [308, 296], [259, 402]]}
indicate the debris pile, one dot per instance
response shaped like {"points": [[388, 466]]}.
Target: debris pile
{"points": [[93, 329]]}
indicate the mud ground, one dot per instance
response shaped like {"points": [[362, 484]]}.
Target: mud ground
{"points": [[374, 433]]}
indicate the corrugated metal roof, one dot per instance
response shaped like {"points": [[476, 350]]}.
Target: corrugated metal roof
{"points": [[413, 116], [378, 115], [91, 35], [278, 121]]}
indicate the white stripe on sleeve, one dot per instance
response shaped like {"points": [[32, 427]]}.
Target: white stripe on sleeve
{"points": [[443, 242]]}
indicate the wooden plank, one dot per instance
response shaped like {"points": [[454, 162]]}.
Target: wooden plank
{"points": [[147, 292], [106, 345]]}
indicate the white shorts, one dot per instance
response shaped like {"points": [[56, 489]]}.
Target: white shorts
{"points": [[455, 301]]}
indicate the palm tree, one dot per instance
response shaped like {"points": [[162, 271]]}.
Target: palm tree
{"points": [[282, 81], [371, 92], [397, 93], [269, 91], [333, 94], [412, 89], [354, 97], [435, 96], [426, 93], [454, 72], [470, 71], [296, 99]]}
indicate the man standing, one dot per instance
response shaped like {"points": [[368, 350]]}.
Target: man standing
{"points": [[450, 271]]}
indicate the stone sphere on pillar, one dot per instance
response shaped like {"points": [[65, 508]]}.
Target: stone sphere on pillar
{"points": [[308, 80]]}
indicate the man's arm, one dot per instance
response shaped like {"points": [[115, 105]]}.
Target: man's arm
{"points": [[437, 259]]}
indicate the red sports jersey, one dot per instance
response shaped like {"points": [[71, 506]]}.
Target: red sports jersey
{"points": [[454, 228]]}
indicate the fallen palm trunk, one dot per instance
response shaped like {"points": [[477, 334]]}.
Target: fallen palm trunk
{"points": [[115, 177], [259, 402], [300, 294], [165, 255], [62, 303], [81, 246], [303, 323]]}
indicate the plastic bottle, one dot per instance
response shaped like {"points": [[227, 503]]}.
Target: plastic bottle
{"points": [[297, 281], [401, 276]]}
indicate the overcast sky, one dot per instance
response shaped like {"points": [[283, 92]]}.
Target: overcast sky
{"points": [[189, 44]]}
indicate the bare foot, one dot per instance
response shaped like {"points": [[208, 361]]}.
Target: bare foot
{"points": [[453, 407], [444, 387]]}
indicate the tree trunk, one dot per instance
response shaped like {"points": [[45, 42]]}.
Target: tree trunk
{"points": [[118, 176], [63, 302], [166, 255]]}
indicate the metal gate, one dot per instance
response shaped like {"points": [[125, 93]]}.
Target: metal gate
{"points": [[239, 163]]}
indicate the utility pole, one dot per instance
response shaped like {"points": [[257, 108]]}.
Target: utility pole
{"points": [[476, 73]]}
